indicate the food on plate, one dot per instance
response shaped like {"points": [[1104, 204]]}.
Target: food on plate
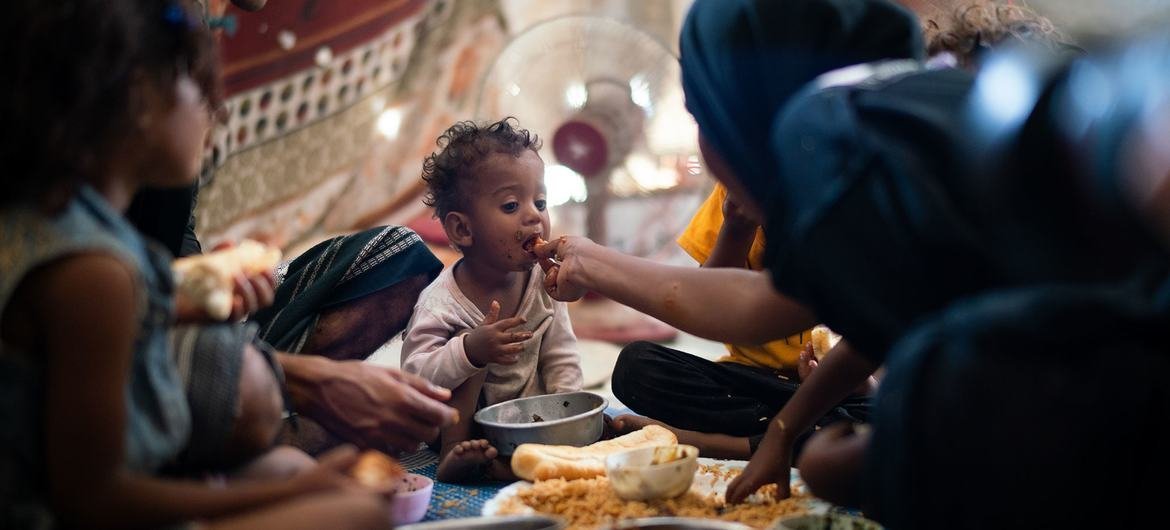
{"points": [[208, 279], [666, 455], [375, 470], [823, 339], [544, 462], [592, 503]]}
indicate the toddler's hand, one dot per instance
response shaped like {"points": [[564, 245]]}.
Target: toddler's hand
{"points": [[496, 341], [735, 219]]}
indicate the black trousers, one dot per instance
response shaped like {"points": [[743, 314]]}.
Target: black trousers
{"points": [[692, 393]]}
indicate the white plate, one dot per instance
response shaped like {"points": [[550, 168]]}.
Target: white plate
{"points": [[705, 483]]}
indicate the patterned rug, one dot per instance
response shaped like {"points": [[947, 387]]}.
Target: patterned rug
{"points": [[450, 501], [456, 501]]}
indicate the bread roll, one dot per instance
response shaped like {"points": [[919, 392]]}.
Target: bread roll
{"points": [[823, 339], [375, 470], [208, 279], [543, 462]]}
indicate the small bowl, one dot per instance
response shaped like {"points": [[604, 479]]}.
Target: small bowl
{"points": [[412, 496], [659, 472], [827, 521], [517, 522], [677, 523], [573, 418]]}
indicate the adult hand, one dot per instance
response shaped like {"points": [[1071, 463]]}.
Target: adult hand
{"points": [[366, 404], [494, 340], [563, 273], [772, 464]]}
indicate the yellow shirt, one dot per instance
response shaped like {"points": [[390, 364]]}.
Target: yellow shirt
{"points": [[698, 240]]}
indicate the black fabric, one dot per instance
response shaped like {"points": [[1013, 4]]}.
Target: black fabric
{"points": [[339, 270], [167, 216], [1042, 407], [692, 393], [866, 229], [743, 59], [1050, 179]]}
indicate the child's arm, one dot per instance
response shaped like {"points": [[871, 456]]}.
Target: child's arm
{"points": [[560, 364], [87, 320], [734, 241], [842, 370], [430, 351]]}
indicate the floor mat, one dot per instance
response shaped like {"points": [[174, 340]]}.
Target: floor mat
{"points": [[450, 501]]}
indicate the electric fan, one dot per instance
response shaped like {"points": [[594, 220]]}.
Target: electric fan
{"points": [[606, 98]]}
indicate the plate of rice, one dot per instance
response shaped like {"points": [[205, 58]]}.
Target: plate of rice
{"points": [[588, 504]]}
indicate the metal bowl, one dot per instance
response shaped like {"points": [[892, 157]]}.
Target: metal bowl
{"points": [[677, 523], [827, 521], [520, 522], [573, 419]]}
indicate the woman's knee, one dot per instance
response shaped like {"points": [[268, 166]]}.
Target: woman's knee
{"points": [[259, 408]]}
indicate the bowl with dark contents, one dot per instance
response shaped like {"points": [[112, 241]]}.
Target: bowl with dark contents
{"points": [[412, 495], [573, 418]]}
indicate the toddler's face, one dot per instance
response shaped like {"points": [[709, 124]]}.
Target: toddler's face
{"points": [[508, 208]]}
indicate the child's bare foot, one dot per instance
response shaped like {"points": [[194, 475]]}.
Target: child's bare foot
{"points": [[465, 460]]}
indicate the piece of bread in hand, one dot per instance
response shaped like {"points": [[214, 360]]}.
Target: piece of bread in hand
{"points": [[376, 471], [543, 462], [208, 279], [823, 339]]}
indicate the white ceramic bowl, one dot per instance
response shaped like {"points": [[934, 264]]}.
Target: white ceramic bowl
{"points": [[652, 472]]}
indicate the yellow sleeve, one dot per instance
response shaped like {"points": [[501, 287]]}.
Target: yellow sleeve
{"points": [[698, 240]]}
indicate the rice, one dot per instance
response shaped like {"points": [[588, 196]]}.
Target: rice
{"points": [[591, 503]]}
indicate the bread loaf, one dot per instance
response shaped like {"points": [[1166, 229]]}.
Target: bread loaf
{"points": [[543, 462], [208, 279], [823, 339], [375, 470]]}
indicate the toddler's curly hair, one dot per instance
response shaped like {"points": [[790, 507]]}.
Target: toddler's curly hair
{"points": [[973, 27], [462, 148]]}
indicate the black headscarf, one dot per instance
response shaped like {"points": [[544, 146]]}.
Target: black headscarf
{"points": [[742, 60]]}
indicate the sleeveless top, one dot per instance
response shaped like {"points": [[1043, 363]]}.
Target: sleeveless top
{"points": [[158, 421]]}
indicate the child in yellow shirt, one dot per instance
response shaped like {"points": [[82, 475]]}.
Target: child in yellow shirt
{"points": [[721, 407]]}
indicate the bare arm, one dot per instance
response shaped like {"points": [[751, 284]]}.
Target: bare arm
{"points": [[87, 311], [727, 305], [734, 241], [842, 370]]}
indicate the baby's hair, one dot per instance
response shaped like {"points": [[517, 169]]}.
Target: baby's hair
{"points": [[462, 148], [74, 84], [972, 28]]}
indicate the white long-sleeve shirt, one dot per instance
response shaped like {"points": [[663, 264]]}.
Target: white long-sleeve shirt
{"points": [[433, 343]]}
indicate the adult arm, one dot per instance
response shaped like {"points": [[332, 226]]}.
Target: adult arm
{"points": [[727, 305], [366, 404], [88, 311], [842, 370]]}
